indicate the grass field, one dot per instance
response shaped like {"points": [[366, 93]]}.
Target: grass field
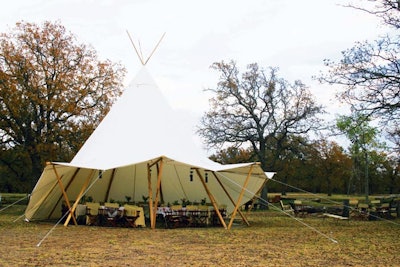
{"points": [[273, 239]]}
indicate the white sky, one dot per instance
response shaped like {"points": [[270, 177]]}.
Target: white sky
{"points": [[293, 35]]}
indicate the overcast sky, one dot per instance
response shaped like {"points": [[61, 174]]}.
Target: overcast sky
{"points": [[295, 36]]}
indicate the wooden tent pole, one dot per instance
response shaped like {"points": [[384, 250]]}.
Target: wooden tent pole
{"points": [[134, 46], [66, 188], [109, 185], [152, 52], [257, 194], [231, 199], [240, 197], [214, 203], [150, 194], [85, 185], [159, 175], [64, 193]]}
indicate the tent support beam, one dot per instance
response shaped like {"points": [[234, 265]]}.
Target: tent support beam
{"points": [[150, 194], [240, 197], [257, 194], [161, 198], [231, 199], [154, 163], [109, 185], [150, 188], [159, 175], [214, 203], [85, 185], [66, 188], [64, 193]]}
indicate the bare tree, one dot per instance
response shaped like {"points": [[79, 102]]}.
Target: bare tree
{"points": [[370, 71], [386, 10], [257, 109]]}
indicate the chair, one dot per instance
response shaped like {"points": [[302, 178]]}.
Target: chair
{"points": [[112, 214], [394, 208], [176, 217], [363, 211], [299, 208], [111, 205], [192, 214], [92, 211], [80, 214], [353, 207], [287, 209], [204, 215], [131, 213], [215, 220], [383, 210]]}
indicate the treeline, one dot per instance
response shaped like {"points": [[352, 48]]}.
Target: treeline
{"points": [[324, 167]]}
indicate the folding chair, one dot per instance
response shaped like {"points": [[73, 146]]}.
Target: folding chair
{"points": [[92, 211], [286, 208]]}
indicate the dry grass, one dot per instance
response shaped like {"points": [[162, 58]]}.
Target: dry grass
{"points": [[272, 240]]}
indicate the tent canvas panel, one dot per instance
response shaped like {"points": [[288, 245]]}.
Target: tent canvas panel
{"points": [[132, 181]]}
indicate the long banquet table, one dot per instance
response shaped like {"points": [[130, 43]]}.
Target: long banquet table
{"points": [[189, 216]]}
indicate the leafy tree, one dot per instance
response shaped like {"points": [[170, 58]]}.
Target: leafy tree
{"points": [[290, 162], [259, 110], [232, 155], [53, 93], [332, 164], [363, 139], [389, 169]]}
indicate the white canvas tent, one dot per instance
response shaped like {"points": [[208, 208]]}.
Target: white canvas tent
{"points": [[141, 148]]}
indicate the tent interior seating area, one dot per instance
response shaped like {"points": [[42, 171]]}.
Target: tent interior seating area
{"points": [[129, 215], [191, 216], [373, 209], [111, 214]]}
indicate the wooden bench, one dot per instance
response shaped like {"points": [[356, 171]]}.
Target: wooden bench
{"points": [[299, 208], [334, 216], [287, 209]]}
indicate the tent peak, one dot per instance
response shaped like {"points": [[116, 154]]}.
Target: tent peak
{"points": [[140, 55]]}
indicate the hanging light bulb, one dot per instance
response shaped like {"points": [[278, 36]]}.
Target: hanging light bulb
{"points": [[191, 175], [206, 177]]}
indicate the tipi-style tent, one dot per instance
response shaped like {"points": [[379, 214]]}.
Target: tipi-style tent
{"points": [[142, 149]]}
